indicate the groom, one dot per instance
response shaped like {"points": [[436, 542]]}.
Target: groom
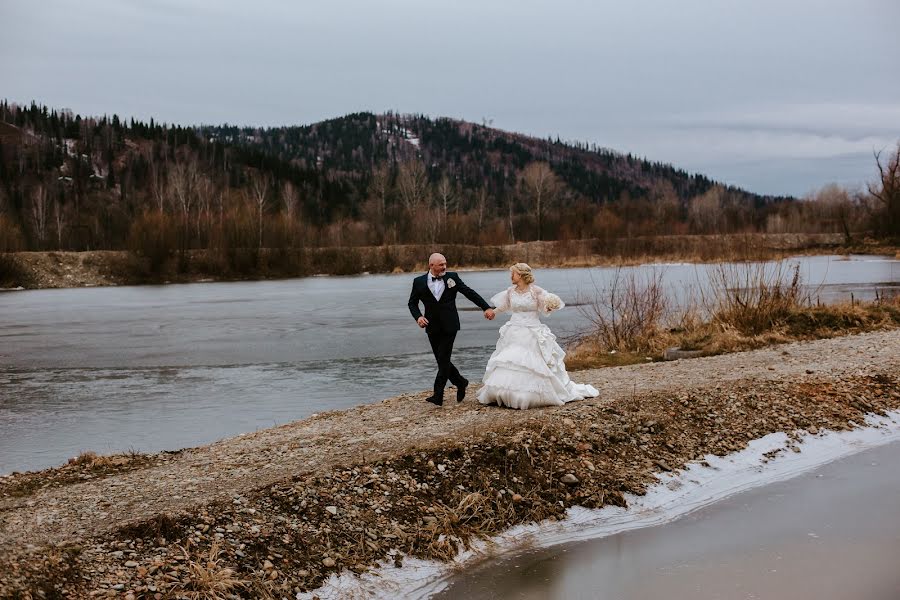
{"points": [[437, 290]]}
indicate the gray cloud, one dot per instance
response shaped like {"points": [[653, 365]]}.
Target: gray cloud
{"points": [[736, 90]]}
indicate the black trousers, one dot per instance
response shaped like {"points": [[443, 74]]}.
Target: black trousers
{"points": [[442, 347]]}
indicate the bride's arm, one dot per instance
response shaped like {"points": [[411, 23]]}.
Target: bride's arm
{"points": [[500, 301], [546, 301]]}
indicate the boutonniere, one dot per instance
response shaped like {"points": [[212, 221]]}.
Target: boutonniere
{"points": [[451, 283]]}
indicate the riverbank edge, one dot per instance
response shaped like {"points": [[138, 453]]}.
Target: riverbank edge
{"points": [[60, 269], [765, 461], [431, 502]]}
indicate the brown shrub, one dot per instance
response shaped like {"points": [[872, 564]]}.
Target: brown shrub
{"points": [[754, 297], [153, 238], [627, 316]]}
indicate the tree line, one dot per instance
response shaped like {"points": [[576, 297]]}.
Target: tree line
{"points": [[69, 182]]}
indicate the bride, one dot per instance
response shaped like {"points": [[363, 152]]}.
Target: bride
{"points": [[527, 369]]}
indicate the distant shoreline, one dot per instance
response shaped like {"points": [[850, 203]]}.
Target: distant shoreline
{"points": [[57, 269]]}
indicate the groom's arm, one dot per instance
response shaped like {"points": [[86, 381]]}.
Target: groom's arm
{"points": [[414, 303], [471, 294]]}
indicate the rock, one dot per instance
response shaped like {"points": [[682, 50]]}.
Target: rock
{"points": [[328, 562], [516, 498], [677, 353], [131, 564], [568, 422], [268, 566], [569, 479], [331, 509], [662, 465]]}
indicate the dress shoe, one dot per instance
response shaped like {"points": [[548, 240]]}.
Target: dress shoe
{"points": [[461, 391], [435, 400]]}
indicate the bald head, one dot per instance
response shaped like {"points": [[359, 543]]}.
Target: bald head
{"points": [[437, 264]]}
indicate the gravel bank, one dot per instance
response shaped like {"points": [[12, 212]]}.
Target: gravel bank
{"points": [[277, 511]]}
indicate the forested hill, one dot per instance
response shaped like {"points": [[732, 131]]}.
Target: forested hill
{"points": [[473, 156], [72, 182]]}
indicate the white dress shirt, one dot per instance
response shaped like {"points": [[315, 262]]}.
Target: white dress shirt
{"points": [[436, 287]]}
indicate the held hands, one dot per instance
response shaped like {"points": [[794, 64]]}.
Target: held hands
{"points": [[488, 314]]}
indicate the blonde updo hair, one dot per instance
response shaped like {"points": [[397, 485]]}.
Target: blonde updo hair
{"points": [[524, 272]]}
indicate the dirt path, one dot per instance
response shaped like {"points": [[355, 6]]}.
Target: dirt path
{"points": [[68, 511]]}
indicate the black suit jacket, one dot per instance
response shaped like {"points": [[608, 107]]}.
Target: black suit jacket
{"points": [[441, 313]]}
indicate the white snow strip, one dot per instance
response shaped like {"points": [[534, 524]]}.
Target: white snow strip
{"points": [[676, 495]]}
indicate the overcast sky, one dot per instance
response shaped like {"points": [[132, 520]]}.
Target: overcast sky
{"points": [[776, 96]]}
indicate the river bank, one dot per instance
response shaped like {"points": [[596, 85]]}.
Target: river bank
{"points": [[821, 523], [42, 270], [278, 511]]}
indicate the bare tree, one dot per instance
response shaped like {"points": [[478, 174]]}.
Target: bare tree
{"points": [[40, 213], [541, 188], [446, 195], [705, 211], [887, 191], [510, 203], [259, 188], [412, 185], [290, 198], [665, 205], [206, 195], [833, 208], [184, 177], [380, 188], [481, 198], [60, 221], [158, 182]]}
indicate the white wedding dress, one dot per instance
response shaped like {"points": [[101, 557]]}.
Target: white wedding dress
{"points": [[527, 369]]}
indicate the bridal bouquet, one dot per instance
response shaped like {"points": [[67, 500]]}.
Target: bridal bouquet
{"points": [[551, 303]]}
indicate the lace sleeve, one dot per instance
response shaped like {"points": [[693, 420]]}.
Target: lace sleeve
{"points": [[500, 301], [546, 301]]}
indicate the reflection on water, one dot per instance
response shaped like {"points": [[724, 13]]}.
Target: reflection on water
{"points": [[165, 367]]}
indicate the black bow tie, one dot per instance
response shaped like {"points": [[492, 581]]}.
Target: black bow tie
{"points": [[440, 278]]}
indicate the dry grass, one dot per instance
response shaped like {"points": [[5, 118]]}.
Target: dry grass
{"points": [[627, 315], [92, 460], [211, 579], [754, 298], [746, 307]]}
